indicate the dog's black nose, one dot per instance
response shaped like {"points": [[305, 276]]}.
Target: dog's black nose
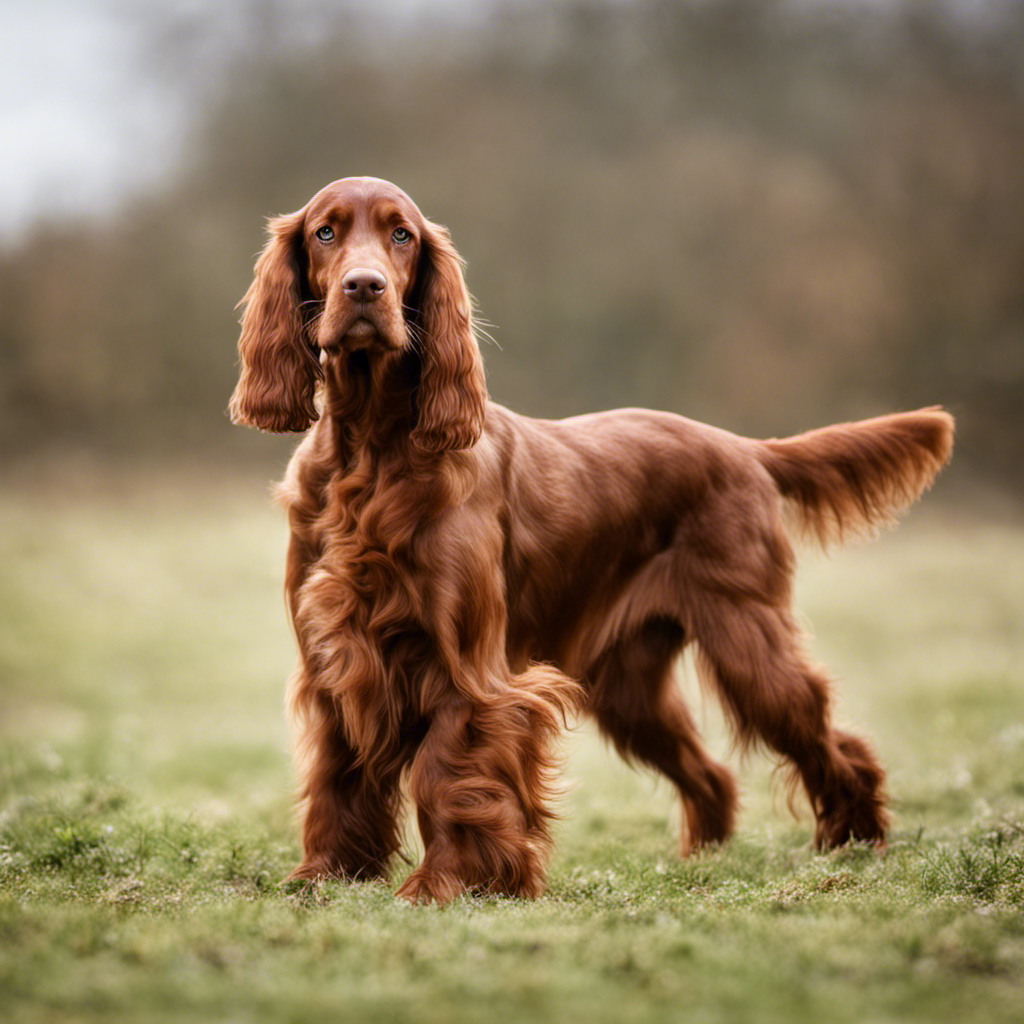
{"points": [[364, 285]]}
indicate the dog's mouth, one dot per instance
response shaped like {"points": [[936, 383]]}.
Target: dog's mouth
{"points": [[359, 333], [361, 329]]}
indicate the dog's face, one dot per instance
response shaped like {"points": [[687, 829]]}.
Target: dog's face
{"points": [[362, 238], [360, 269]]}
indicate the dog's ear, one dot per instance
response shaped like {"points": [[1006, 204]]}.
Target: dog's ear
{"points": [[452, 397], [280, 369]]}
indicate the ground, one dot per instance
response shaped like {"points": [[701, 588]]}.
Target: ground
{"points": [[146, 821]]}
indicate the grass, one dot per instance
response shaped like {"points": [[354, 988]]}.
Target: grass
{"points": [[145, 818]]}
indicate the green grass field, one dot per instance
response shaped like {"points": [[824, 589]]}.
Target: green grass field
{"points": [[146, 822]]}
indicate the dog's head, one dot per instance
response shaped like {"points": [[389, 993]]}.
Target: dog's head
{"points": [[359, 269]]}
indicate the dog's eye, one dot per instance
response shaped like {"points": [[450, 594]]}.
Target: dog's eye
{"points": [[400, 236], [325, 234]]}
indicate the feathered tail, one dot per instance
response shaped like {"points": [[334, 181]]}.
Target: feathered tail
{"points": [[850, 479]]}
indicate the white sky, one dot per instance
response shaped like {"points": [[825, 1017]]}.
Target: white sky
{"points": [[75, 114], [89, 109]]}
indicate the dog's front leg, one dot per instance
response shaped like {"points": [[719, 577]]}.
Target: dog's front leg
{"points": [[481, 782], [475, 834], [350, 819]]}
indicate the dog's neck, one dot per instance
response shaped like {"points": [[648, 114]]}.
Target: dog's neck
{"points": [[370, 401], [369, 405]]}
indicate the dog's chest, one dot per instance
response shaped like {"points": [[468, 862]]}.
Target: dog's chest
{"points": [[366, 575]]}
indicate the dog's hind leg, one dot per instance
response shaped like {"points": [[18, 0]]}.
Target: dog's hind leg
{"points": [[752, 652], [633, 698]]}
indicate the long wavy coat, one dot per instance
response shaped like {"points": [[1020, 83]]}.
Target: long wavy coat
{"points": [[462, 578]]}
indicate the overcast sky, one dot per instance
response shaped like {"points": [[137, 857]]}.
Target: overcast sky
{"points": [[76, 114], [89, 108]]}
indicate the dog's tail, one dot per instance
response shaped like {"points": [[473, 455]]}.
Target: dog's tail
{"points": [[848, 480]]}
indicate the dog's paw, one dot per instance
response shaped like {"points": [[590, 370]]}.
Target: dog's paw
{"points": [[320, 870], [426, 886], [309, 871]]}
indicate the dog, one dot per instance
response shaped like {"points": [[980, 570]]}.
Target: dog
{"points": [[462, 579]]}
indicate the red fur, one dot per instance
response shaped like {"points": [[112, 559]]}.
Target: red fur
{"points": [[454, 568]]}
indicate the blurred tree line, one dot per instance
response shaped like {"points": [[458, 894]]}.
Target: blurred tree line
{"points": [[759, 216]]}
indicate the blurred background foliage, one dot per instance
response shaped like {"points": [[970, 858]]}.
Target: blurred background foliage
{"points": [[767, 215]]}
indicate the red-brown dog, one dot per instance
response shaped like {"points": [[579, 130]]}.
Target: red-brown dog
{"points": [[461, 577]]}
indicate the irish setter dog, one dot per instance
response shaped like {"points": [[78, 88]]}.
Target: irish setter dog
{"points": [[462, 578]]}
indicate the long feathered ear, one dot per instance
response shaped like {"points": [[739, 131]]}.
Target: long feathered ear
{"points": [[452, 397], [280, 369]]}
